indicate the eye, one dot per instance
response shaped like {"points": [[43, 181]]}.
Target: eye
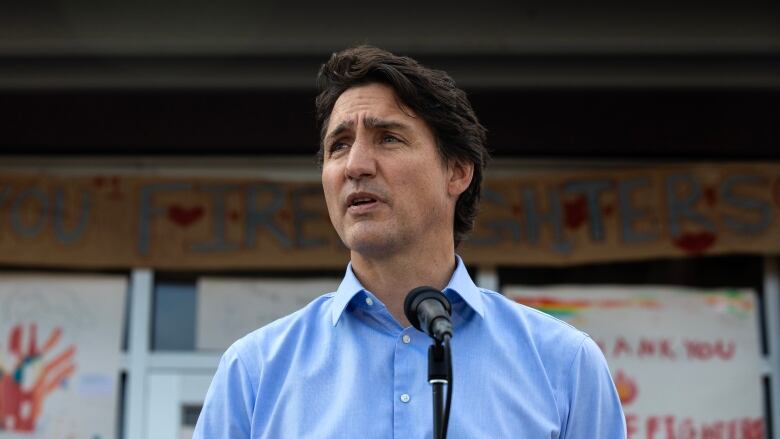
{"points": [[336, 147], [389, 138]]}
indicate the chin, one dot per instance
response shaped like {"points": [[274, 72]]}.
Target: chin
{"points": [[372, 245], [368, 247]]}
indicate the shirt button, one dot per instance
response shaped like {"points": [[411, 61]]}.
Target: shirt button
{"points": [[369, 301], [405, 398], [406, 339]]}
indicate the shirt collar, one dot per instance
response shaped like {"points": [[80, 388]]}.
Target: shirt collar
{"points": [[460, 284], [349, 287]]}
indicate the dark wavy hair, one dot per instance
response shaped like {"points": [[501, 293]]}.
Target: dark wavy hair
{"points": [[431, 94]]}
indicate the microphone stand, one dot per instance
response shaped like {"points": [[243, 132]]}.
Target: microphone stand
{"points": [[439, 374], [428, 310]]}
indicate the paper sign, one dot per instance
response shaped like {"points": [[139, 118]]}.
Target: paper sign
{"points": [[686, 362], [231, 308], [60, 339]]}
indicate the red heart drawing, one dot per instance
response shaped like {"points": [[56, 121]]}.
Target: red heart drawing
{"points": [[711, 196], [575, 212], [183, 216], [695, 243]]}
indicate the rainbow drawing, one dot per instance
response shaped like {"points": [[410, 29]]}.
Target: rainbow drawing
{"points": [[564, 308], [555, 307]]}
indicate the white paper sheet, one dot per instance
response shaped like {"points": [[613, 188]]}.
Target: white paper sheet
{"points": [[60, 340], [686, 362], [231, 308]]}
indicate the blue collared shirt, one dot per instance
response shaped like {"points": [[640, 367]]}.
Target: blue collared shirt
{"points": [[343, 367]]}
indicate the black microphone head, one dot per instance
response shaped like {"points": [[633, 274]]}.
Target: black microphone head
{"points": [[416, 296]]}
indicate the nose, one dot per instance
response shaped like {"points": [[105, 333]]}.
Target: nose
{"points": [[361, 162]]}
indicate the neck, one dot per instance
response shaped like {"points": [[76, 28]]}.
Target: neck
{"points": [[391, 278]]}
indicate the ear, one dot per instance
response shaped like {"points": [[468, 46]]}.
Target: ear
{"points": [[460, 174]]}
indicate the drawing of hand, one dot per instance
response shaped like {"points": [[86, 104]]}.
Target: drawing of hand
{"points": [[29, 380]]}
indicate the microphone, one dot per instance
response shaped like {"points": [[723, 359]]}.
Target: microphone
{"points": [[428, 310]]}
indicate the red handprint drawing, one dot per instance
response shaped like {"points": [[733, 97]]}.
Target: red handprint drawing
{"points": [[29, 381]]}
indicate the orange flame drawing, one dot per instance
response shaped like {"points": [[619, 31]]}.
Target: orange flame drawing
{"points": [[626, 388]]}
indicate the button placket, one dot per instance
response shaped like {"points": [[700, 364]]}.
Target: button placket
{"points": [[406, 383]]}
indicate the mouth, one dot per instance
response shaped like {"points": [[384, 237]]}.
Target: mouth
{"points": [[361, 201]]}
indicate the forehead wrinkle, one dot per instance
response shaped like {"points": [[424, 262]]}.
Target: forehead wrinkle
{"points": [[369, 122], [375, 122]]}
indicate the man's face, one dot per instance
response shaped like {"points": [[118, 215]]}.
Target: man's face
{"points": [[386, 187]]}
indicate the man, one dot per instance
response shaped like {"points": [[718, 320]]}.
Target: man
{"points": [[402, 160]]}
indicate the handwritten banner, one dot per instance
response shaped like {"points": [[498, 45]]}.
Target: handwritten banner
{"points": [[552, 218], [685, 362]]}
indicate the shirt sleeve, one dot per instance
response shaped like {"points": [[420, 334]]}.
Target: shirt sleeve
{"points": [[594, 406], [229, 404]]}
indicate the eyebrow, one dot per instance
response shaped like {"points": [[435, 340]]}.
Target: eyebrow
{"points": [[368, 122]]}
